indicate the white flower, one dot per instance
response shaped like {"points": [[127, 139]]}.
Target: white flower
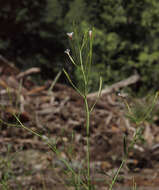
{"points": [[67, 51], [70, 34]]}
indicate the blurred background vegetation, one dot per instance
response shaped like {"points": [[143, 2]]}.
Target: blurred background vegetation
{"points": [[126, 41]]}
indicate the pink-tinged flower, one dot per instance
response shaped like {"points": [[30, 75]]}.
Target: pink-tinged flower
{"points": [[67, 51], [90, 33], [70, 34]]}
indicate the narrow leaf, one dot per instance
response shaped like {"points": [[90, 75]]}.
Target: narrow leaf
{"points": [[99, 93], [68, 77]]}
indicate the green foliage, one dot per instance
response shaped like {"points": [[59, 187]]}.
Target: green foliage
{"points": [[126, 40], [77, 6], [139, 110]]}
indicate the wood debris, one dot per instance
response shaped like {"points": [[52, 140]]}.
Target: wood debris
{"points": [[62, 109]]}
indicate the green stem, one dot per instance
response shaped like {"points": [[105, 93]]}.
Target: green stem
{"points": [[90, 59], [117, 173], [88, 143], [124, 159], [82, 69]]}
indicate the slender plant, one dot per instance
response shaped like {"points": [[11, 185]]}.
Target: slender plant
{"points": [[138, 120], [83, 61]]}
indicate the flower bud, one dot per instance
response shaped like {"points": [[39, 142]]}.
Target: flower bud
{"points": [[90, 33], [67, 51], [70, 34]]}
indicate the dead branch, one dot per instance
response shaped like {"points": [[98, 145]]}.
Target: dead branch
{"points": [[7, 67], [126, 82], [28, 72]]}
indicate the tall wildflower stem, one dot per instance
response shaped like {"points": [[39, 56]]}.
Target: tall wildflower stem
{"points": [[84, 65], [82, 69], [88, 143], [90, 53]]}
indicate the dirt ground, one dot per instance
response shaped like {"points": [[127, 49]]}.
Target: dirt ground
{"points": [[26, 162]]}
